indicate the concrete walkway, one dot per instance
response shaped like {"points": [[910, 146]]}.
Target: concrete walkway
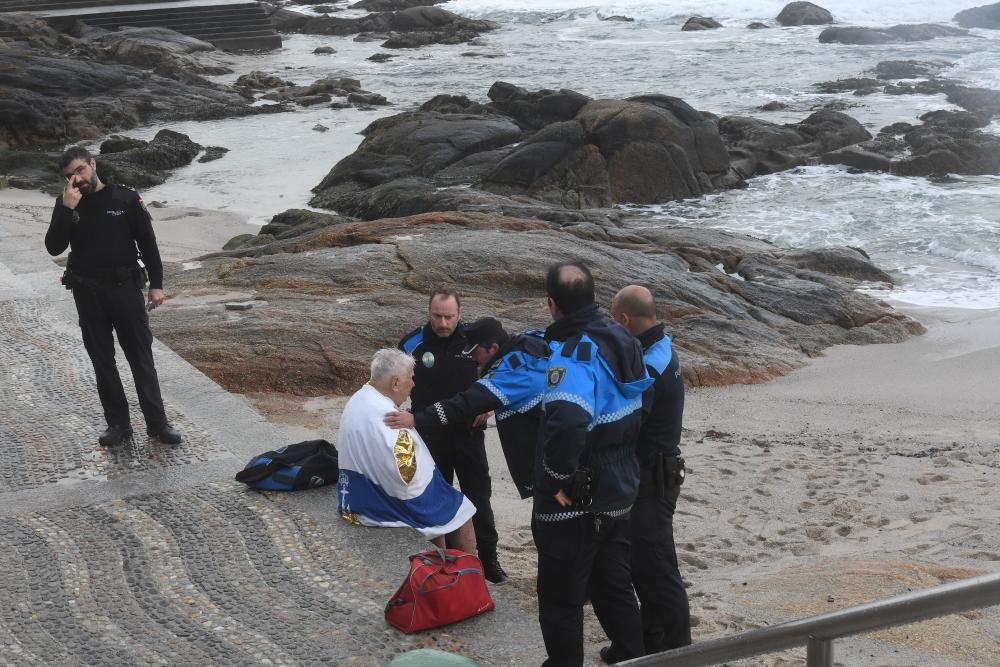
{"points": [[150, 554]]}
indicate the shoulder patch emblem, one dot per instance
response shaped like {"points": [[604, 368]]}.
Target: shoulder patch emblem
{"points": [[555, 376], [427, 360]]}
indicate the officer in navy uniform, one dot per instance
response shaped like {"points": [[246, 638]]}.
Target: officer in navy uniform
{"points": [[512, 384], [589, 473], [109, 230], [444, 369], [663, 602]]}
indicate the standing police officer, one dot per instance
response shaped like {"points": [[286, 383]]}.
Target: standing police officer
{"points": [[666, 620], [512, 385], [444, 369], [109, 230], [589, 474]]}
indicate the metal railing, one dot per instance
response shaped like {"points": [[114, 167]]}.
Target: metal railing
{"points": [[818, 632]]}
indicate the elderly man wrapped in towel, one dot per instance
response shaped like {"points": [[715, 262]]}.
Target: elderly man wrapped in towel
{"points": [[387, 476]]}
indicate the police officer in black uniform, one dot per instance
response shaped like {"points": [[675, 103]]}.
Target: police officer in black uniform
{"points": [[511, 386], [444, 369], [108, 230], [589, 473], [666, 620]]}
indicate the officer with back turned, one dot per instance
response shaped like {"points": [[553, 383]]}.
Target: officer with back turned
{"points": [[443, 369], [588, 475], [512, 384], [109, 230], [666, 620]]}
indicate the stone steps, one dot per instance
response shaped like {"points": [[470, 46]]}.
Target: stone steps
{"points": [[52, 5], [233, 27]]}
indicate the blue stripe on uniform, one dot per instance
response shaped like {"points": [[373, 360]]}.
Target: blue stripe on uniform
{"points": [[658, 355], [411, 343]]}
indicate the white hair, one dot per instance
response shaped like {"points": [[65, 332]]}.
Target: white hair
{"points": [[389, 363]]}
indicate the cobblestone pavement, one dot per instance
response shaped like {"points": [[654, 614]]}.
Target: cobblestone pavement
{"points": [[147, 554]]}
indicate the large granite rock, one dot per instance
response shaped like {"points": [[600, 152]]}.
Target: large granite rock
{"points": [[739, 309], [417, 143], [642, 150], [553, 151], [700, 23], [987, 16], [804, 13], [758, 147], [50, 99], [948, 142], [415, 26], [898, 33], [141, 164], [393, 5]]}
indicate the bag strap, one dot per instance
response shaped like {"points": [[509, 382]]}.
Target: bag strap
{"points": [[258, 472]]}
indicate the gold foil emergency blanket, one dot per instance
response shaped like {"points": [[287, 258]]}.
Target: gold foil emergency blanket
{"points": [[406, 456]]}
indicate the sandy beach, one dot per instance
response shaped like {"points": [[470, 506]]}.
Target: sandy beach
{"points": [[868, 473]]}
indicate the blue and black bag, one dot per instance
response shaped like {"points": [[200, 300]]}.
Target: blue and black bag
{"points": [[304, 465]]}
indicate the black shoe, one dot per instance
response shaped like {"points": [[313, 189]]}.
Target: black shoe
{"points": [[493, 572], [168, 435], [606, 656], [115, 435]]}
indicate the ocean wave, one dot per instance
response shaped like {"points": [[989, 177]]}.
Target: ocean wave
{"points": [[856, 12]]}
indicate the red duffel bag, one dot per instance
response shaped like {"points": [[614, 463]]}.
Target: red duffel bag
{"points": [[443, 587]]}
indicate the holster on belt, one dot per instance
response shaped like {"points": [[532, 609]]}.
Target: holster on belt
{"points": [[92, 279], [661, 477]]}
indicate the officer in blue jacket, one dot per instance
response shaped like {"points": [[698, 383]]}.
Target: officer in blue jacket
{"points": [[588, 474], [511, 386], [666, 620]]}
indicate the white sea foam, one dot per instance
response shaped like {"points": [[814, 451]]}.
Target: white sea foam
{"points": [[856, 12]]}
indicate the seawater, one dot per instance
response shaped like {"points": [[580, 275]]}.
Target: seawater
{"points": [[939, 239]]}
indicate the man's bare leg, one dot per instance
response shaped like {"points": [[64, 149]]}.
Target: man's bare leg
{"points": [[463, 539]]}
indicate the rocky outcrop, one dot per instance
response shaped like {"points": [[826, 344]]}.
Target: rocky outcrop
{"points": [[323, 91], [700, 23], [141, 164], [258, 80], [948, 142], [898, 33], [860, 86], [758, 147], [393, 5], [739, 309], [413, 27], [558, 151], [803, 13], [642, 150], [49, 100], [987, 16], [909, 69]]}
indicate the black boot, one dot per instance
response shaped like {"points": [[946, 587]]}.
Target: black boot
{"points": [[115, 435], [492, 570], [168, 435]]}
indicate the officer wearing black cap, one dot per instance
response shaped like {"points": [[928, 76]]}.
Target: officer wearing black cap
{"points": [[443, 369], [512, 384], [664, 607]]}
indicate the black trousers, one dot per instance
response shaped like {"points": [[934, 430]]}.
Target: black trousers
{"points": [[577, 557], [666, 617], [121, 309], [462, 452]]}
